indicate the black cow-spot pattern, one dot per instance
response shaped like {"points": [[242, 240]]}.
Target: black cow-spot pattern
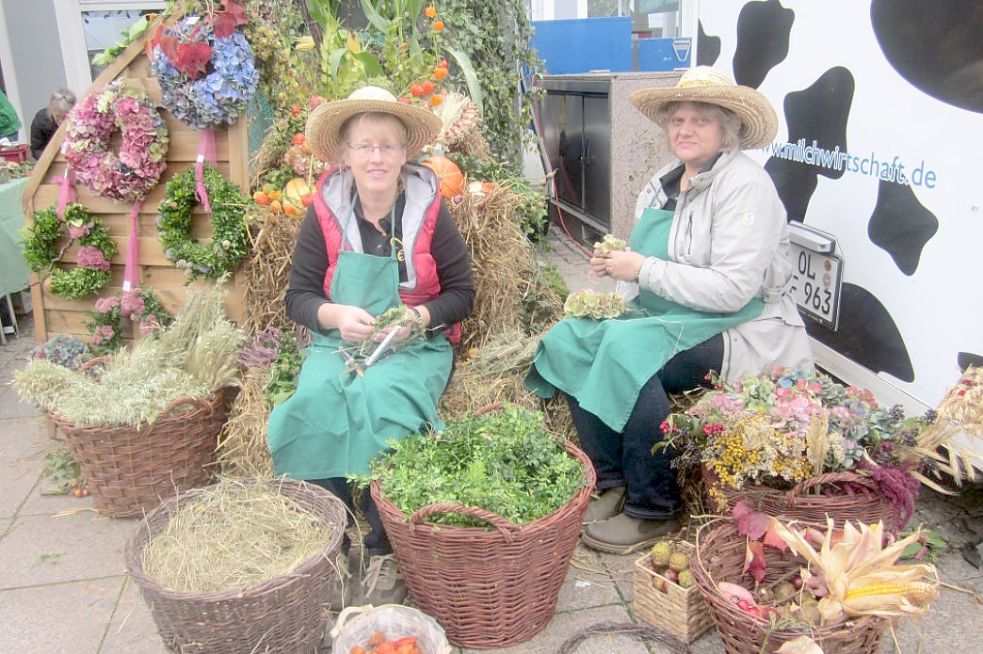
{"points": [[866, 334], [762, 40], [818, 113], [901, 225], [707, 48], [967, 359], [936, 46]]}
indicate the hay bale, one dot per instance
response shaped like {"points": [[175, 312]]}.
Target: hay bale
{"points": [[243, 451], [267, 274]]}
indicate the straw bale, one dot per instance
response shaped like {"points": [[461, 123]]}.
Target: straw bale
{"points": [[243, 450], [267, 273]]}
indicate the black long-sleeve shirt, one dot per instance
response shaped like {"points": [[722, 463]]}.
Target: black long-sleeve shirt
{"points": [[43, 127], [306, 292]]}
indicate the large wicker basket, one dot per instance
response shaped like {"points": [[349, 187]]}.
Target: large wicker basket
{"points": [[285, 615], [487, 587], [806, 502], [130, 471], [720, 557]]}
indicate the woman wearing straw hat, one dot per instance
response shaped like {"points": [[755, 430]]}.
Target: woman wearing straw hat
{"points": [[709, 252], [376, 236]]}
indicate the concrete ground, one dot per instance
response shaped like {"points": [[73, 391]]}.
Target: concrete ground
{"points": [[64, 587]]}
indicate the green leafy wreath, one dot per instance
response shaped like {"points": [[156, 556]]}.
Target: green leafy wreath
{"points": [[96, 250], [229, 244]]}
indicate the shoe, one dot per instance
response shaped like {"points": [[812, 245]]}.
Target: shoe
{"points": [[382, 583], [604, 505], [340, 587], [623, 534]]}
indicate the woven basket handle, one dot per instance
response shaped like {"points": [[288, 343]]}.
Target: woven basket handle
{"points": [[92, 363], [803, 487], [504, 526], [346, 615], [196, 401]]}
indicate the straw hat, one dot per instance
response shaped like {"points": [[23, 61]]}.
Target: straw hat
{"points": [[759, 124], [324, 123]]}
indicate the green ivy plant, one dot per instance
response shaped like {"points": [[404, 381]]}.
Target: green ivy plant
{"points": [[281, 381], [496, 37], [505, 462]]}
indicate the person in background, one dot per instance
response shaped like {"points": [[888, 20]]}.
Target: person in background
{"points": [[9, 122], [377, 236], [710, 255], [46, 121]]}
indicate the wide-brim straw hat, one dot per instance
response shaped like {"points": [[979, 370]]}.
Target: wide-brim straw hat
{"points": [[324, 123], [759, 124]]}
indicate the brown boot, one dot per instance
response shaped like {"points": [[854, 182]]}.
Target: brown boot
{"points": [[605, 504], [623, 534]]}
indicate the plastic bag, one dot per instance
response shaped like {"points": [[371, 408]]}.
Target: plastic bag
{"points": [[357, 623]]}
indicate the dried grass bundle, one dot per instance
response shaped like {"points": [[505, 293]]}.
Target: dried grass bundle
{"points": [[243, 450], [958, 423], [511, 289], [267, 274], [234, 535]]}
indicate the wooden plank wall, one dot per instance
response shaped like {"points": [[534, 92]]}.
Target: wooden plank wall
{"points": [[55, 315]]}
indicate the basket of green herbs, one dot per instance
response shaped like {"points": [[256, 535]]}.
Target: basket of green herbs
{"points": [[484, 517]]}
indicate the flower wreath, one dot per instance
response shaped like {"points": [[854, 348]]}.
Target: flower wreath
{"points": [[93, 257], [139, 305], [206, 72], [131, 173], [230, 241]]}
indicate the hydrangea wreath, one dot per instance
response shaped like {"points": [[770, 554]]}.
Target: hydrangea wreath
{"points": [[230, 242], [129, 174], [222, 95], [140, 305], [95, 252]]}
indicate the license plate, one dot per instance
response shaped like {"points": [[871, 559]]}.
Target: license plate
{"points": [[816, 283]]}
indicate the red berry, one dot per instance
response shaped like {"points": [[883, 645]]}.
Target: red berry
{"points": [[428, 87], [417, 90]]}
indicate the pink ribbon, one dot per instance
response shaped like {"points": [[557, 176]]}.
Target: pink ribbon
{"points": [[206, 152], [67, 193], [131, 271]]}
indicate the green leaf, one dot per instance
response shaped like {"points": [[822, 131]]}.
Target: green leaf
{"points": [[137, 29], [334, 61], [370, 11], [320, 10], [474, 87], [414, 9], [371, 64]]}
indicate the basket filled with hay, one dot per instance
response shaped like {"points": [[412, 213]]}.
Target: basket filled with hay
{"points": [[242, 566]]}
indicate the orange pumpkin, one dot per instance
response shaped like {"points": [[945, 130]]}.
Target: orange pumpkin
{"points": [[448, 174]]}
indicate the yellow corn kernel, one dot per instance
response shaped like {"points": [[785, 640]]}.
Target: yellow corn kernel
{"points": [[915, 592]]}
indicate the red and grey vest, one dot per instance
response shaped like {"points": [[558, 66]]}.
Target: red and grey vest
{"points": [[333, 206]]}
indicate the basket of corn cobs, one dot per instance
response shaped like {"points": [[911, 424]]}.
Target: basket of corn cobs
{"points": [[241, 566], [769, 583]]}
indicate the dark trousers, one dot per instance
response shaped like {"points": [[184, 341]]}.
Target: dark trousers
{"points": [[626, 458], [376, 541]]}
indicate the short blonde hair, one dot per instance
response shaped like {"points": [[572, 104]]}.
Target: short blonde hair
{"points": [[730, 124]]}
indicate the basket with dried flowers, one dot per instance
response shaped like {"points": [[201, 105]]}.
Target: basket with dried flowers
{"points": [[799, 444]]}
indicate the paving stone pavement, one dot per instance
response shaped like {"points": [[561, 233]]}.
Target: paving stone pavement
{"points": [[64, 587]]}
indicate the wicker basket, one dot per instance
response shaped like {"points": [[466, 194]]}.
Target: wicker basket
{"points": [[799, 504], [130, 471], [667, 605], [285, 614], [720, 557], [487, 587]]}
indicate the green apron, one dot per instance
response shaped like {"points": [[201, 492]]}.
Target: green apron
{"points": [[604, 364], [336, 422]]}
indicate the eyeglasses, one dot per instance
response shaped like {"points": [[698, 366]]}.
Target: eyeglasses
{"points": [[386, 149]]}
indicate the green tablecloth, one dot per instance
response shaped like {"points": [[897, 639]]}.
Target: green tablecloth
{"points": [[14, 275]]}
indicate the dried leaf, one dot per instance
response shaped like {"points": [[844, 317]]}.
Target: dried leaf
{"points": [[750, 523], [772, 539], [754, 561], [801, 645]]}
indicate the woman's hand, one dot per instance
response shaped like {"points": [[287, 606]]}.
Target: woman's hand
{"points": [[422, 316], [354, 323], [620, 265]]}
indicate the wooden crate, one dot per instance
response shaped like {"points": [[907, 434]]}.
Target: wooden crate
{"points": [[679, 611], [54, 315]]}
